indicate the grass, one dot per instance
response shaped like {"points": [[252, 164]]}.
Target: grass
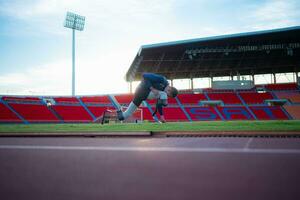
{"points": [[290, 125]]}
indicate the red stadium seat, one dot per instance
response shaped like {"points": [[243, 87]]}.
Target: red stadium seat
{"points": [[96, 100], [174, 114], [227, 98], [23, 99], [66, 100], [268, 112], [170, 114], [171, 101], [147, 115], [6, 115], [217, 90], [293, 111], [293, 96], [72, 113], [190, 99], [201, 113], [124, 98], [255, 97], [98, 111], [235, 113], [282, 86], [34, 112]]}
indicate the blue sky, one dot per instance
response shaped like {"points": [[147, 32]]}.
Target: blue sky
{"points": [[35, 48]]}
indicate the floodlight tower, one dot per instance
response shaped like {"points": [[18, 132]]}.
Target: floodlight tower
{"points": [[74, 22]]}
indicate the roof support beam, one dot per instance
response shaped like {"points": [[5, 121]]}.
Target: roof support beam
{"points": [[130, 87], [192, 83], [160, 61], [180, 61], [274, 78]]}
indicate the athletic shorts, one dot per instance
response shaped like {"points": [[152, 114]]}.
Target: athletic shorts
{"points": [[141, 93]]}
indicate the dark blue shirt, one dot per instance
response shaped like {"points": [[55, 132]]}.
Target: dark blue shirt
{"points": [[156, 81]]}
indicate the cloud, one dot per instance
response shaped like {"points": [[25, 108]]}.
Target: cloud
{"points": [[275, 14], [105, 49], [128, 16], [39, 80], [55, 78]]}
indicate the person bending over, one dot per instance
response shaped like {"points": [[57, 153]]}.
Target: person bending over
{"points": [[152, 86]]}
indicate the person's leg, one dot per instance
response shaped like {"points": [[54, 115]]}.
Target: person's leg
{"points": [[141, 94], [130, 110]]}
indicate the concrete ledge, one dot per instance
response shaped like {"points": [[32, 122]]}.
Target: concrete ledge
{"points": [[159, 134], [228, 134], [79, 134]]}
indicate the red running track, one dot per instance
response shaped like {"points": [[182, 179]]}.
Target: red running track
{"points": [[149, 168]]}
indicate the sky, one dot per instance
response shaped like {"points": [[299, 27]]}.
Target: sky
{"points": [[35, 48]]}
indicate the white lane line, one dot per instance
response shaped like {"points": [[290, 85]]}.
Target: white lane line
{"points": [[248, 143], [153, 149]]}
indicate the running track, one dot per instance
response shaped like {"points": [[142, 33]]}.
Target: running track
{"points": [[149, 168]]}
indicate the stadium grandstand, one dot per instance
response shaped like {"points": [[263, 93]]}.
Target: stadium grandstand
{"points": [[239, 57]]}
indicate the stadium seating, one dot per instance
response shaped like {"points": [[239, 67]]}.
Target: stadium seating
{"points": [[6, 115], [170, 114], [255, 97], [72, 113], [95, 100], [98, 111], [146, 114], [216, 90], [34, 112], [124, 98], [226, 97], [292, 96], [198, 113], [72, 100], [191, 99], [282, 86], [268, 112], [294, 111], [171, 101], [23, 99], [238, 105], [235, 113], [174, 114]]}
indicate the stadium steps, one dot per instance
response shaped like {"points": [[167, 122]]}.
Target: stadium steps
{"points": [[183, 109], [150, 111], [86, 108]]}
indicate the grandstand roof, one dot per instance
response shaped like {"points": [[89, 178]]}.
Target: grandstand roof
{"points": [[260, 52]]}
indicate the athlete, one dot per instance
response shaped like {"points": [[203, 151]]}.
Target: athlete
{"points": [[152, 86]]}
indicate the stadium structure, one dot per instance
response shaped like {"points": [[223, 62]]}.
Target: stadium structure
{"points": [[234, 56]]}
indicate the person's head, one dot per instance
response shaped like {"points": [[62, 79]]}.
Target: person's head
{"points": [[171, 91]]}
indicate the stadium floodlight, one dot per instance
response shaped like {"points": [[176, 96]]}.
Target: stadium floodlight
{"points": [[74, 22]]}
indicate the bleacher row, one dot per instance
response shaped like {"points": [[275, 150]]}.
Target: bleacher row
{"points": [[236, 105]]}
